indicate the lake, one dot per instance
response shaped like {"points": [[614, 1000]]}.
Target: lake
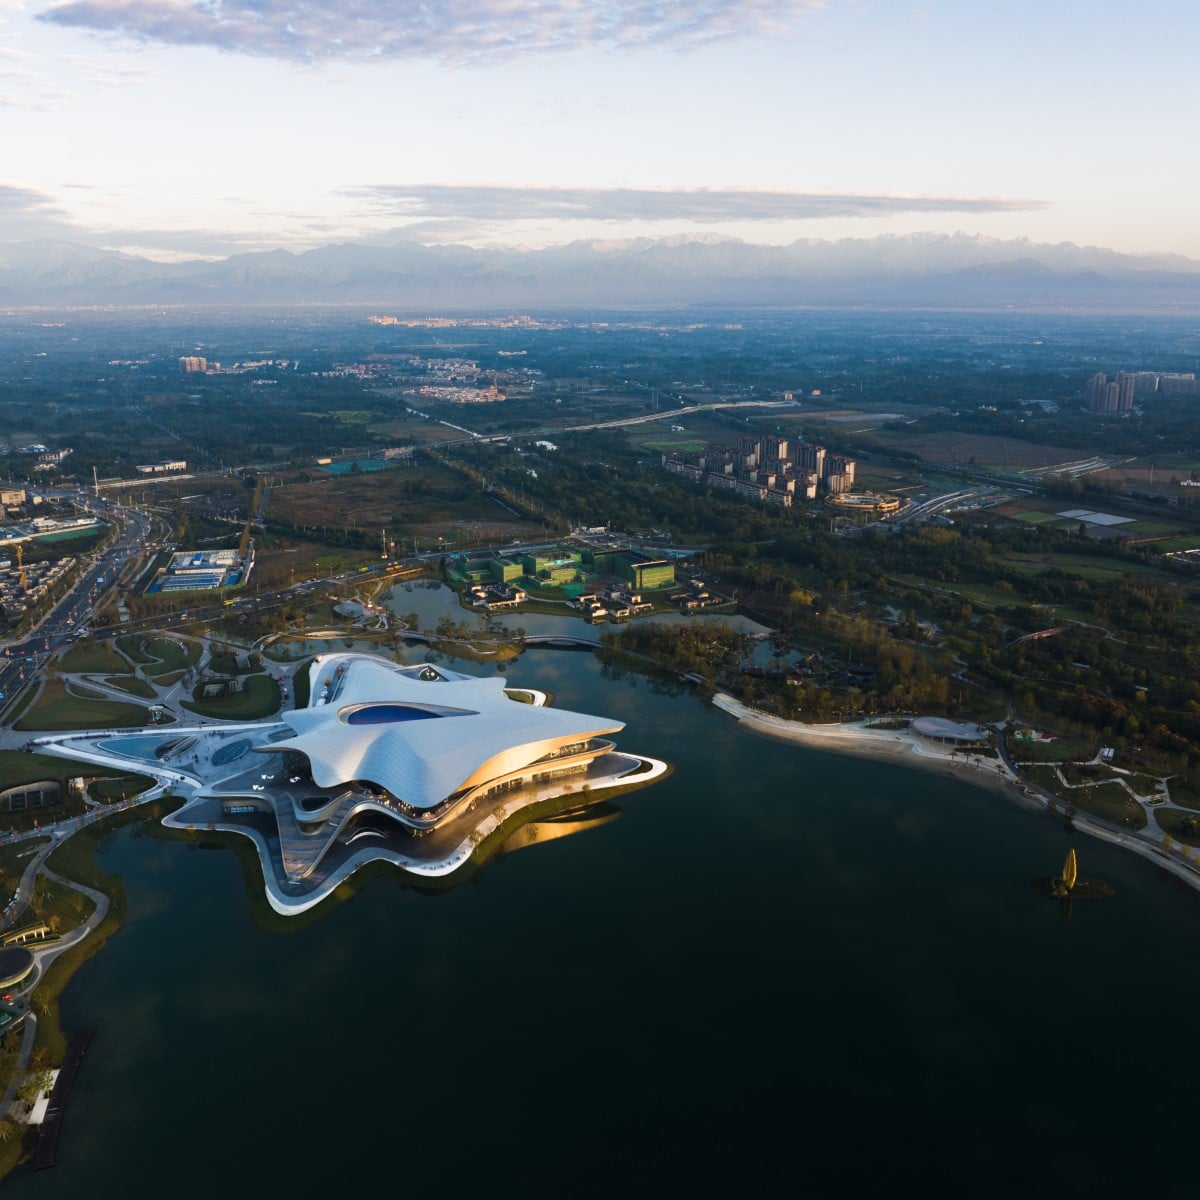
{"points": [[779, 970]]}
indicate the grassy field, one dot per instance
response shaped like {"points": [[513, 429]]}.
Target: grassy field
{"points": [[19, 767], [81, 690], [119, 787], [131, 647], [1083, 566], [423, 492], [260, 699], [1060, 750], [13, 860], [1109, 801], [224, 662], [1180, 826], [300, 687], [55, 709], [1187, 541], [133, 685], [1183, 795], [169, 655], [673, 441], [1036, 517], [985, 450], [1043, 776], [1151, 527], [94, 658], [1077, 773]]}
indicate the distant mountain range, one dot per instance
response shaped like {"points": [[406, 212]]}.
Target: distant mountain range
{"points": [[917, 271]]}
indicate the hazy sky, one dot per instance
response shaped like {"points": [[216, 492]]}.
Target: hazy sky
{"points": [[202, 127]]}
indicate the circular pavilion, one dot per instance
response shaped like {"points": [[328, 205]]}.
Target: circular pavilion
{"points": [[15, 964]]}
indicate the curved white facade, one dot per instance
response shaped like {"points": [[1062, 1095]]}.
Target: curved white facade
{"points": [[426, 734]]}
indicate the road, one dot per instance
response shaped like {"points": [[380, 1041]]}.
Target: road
{"points": [[19, 661]]}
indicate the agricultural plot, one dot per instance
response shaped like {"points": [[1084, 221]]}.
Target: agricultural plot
{"points": [[1187, 541], [411, 498], [1082, 566], [976, 449]]}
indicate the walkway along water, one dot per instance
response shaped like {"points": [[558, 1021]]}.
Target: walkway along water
{"points": [[47, 1145]]}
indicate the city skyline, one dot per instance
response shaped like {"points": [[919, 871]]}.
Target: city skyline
{"points": [[178, 130]]}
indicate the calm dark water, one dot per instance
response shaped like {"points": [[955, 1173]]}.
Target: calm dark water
{"points": [[779, 971]]}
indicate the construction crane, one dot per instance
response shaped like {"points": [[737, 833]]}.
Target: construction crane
{"points": [[21, 567]]}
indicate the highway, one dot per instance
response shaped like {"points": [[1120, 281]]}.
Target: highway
{"points": [[20, 660]]}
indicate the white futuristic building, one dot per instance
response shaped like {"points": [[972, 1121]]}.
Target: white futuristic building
{"points": [[417, 766], [426, 740], [421, 767]]}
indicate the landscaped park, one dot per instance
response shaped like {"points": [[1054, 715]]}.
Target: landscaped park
{"points": [[102, 683]]}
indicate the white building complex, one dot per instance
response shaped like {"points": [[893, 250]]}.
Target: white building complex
{"points": [[418, 766]]}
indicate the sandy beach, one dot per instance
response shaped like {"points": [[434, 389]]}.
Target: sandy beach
{"points": [[864, 739], [861, 738]]}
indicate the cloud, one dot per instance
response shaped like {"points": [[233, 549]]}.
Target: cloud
{"points": [[426, 202], [454, 31], [26, 213]]}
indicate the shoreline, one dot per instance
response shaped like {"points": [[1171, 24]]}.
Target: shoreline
{"points": [[868, 741], [902, 745]]}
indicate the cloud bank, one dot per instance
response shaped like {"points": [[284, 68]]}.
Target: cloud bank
{"points": [[453, 31], [27, 213], [447, 202]]}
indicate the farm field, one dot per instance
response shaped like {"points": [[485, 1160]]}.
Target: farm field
{"points": [[978, 449], [419, 498]]}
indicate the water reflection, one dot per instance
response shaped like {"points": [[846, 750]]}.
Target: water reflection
{"points": [[549, 829]]}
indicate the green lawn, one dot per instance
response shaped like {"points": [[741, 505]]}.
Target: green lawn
{"points": [[1188, 541], [170, 655], [1086, 566], [1111, 802], [1150, 527], [94, 658], [1068, 749], [13, 861], [1183, 795], [260, 699], [1182, 827], [56, 710], [119, 787], [677, 442], [1144, 785], [83, 691], [224, 662], [300, 685], [131, 684], [131, 646], [1075, 773], [20, 767], [1043, 777]]}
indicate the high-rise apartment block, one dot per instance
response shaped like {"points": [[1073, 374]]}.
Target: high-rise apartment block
{"points": [[766, 468], [1116, 395]]}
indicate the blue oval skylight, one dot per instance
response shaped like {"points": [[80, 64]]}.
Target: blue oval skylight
{"points": [[390, 714]]}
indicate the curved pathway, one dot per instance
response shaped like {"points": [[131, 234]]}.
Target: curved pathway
{"points": [[42, 960]]}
